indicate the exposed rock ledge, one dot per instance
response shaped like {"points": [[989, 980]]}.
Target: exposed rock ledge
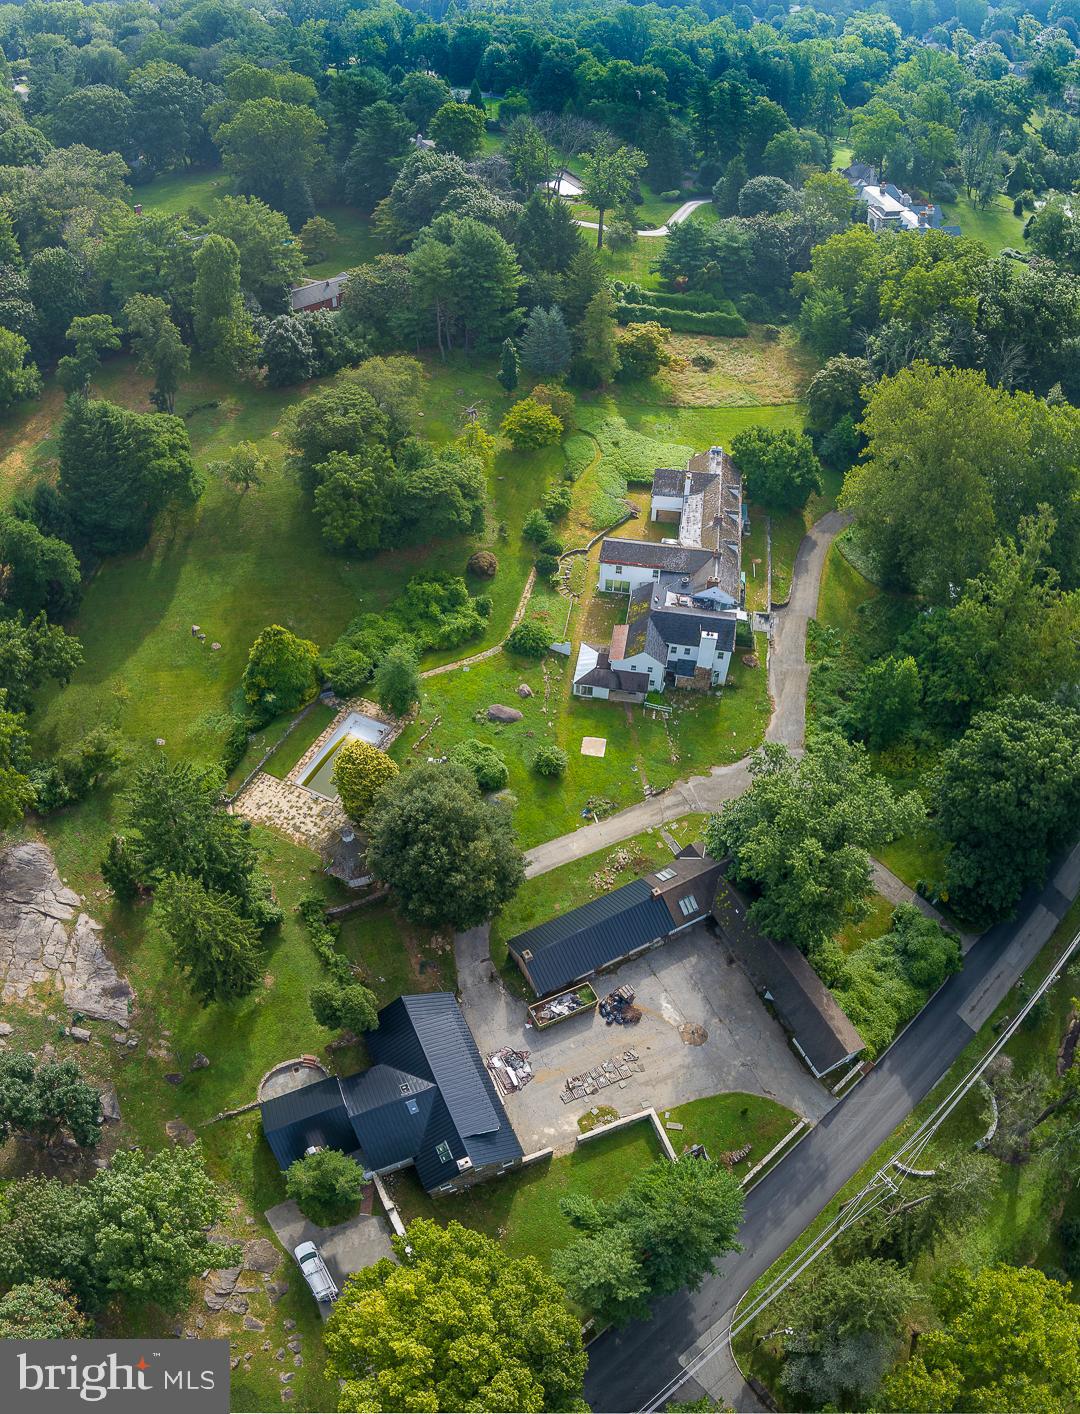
{"points": [[38, 948]]}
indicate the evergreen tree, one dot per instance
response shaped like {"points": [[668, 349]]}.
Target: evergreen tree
{"points": [[381, 145], [726, 191], [222, 327], [545, 345], [599, 353], [584, 277], [475, 97], [212, 943], [509, 366], [158, 348], [487, 278]]}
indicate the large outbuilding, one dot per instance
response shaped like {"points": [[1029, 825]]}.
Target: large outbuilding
{"points": [[618, 925], [427, 1101]]}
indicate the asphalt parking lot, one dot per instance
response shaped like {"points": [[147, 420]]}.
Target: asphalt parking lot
{"points": [[687, 985]]}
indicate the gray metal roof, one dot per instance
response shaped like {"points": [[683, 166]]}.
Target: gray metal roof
{"points": [[593, 936], [823, 1031], [650, 554], [390, 1112]]}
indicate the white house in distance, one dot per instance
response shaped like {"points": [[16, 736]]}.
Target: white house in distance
{"points": [[685, 593], [890, 209]]}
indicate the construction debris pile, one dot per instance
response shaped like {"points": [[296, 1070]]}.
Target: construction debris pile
{"points": [[618, 1008], [616, 1071], [558, 1007], [510, 1069]]}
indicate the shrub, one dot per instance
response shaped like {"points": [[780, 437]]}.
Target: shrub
{"points": [[346, 669], [360, 772], [537, 527], [531, 639], [719, 323], [555, 503], [529, 424], [944, 191], [547, 566], [550, 761], [282, 672], [483, 564], [670, 195], [483, 761], [326, 1185], [348, 1006], [551, 545], [559, 399], [397, 681]]}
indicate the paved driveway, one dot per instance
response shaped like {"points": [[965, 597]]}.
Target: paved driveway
{"points": [[346, 1248], [689, 981]]}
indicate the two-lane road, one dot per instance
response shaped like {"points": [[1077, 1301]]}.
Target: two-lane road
{"points": [[629, 1367]]}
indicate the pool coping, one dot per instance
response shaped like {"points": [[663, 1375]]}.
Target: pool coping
{"points": [[363, 708]]}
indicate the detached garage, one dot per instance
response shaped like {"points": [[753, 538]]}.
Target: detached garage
{"points": [[608, 930]]}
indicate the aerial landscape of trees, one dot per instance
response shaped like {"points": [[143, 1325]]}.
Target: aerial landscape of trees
{"points": [[331, 342]]}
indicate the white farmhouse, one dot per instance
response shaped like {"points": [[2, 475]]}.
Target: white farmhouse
{"points": [[684, 593]]}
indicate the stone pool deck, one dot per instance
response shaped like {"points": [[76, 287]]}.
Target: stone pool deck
{"points": [[288, 806]]}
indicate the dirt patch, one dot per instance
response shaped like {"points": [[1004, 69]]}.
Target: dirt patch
{"points": [[693, 1035]]}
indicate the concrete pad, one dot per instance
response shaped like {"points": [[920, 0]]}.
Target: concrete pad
{"points": [[346, 1248], [688, 983], [593, 745]]}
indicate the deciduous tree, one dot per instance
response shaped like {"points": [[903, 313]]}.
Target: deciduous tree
{"points": [[778, 466], [47, 1099], [397, 680], [222, 326], [348, 1006], [458, 128], [282, 672], [361, 771], [802, 833], [325, 1185], [486, 1330], [451, 857], [41, 1309]]}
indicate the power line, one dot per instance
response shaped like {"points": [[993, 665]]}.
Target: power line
{"points": [[881, 1186]]}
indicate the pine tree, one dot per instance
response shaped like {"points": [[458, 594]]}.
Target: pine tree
{"points": [[487, 279], [727, 189], [545, 345], [222, 327], [599, 351], [509, 367], [475, 97], [583, 278]]}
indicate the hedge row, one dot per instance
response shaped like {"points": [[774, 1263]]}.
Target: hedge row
{"points": [[685, 321]]}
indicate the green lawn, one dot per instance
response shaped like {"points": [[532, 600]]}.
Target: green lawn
{"points": [[355, 244], [552, 894], [842, 590], [875, 925], [297, 742], [996, 226], [522, 1209], [725, 1123], [235, 563]]}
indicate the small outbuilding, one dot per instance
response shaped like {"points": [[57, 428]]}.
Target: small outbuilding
{"points": [[819, 1028]]}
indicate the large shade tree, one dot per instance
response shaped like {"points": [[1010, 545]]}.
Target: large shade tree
{"points": [[451, 857], [482, 1329]]}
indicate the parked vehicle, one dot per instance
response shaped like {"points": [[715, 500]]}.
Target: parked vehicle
{"points": [[315, 1272]]}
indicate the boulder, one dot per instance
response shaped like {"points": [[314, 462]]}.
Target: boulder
{"points": [[484, 564], [498, 713], [252, 1323], [180, 1133], [200, 1062], [173, 1077], [5, 1028], [110, 1105], [260, 1255], [78, 1033], [524, 690]]}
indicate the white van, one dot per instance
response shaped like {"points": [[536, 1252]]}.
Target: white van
{"points": [[315, 1273]]}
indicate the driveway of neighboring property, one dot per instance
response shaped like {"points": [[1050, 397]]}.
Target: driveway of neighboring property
{"points": [[690, 982], [346, 1248]]}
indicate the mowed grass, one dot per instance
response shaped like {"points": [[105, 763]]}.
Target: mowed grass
{"points": [[237, 562], [299, 739], [843, 589], [994, 225], [521, 1209], [726, 1123]]}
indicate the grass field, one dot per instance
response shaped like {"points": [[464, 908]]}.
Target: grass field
{"points": [[842, 590], [235, 563], [995, 226], [522, 1208], [725, 1123]]}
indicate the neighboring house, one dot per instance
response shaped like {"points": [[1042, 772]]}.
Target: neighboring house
{"points": [[427, 1101], [318, 294], [819, 1028], [618, 925], [890, 209], [685, 593], [422, 143]]}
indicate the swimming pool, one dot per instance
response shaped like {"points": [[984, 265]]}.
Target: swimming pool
{"points": [[355, 727]]}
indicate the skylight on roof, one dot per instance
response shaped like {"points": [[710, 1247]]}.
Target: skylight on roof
{"points": [[442, 1150], [412, 1107], [688, 905], [665, 873]]}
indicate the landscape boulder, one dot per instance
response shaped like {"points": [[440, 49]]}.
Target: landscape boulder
{"points": [[498, 713], [524, 690], [260, 1255], [200, 1062]]}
